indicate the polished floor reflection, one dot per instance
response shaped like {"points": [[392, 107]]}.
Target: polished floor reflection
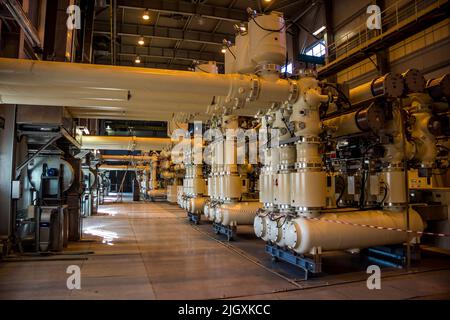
{"points": [[149, 251]]}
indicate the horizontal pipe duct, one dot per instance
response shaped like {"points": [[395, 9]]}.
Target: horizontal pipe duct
{"points": [[124, 143], [109, 167], [108, 157], [172, 87], [50, 74], [101, 94]]}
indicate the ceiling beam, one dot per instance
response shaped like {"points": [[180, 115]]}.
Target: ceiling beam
{"points": [[168, 53], [134, 30], [186, 8], [125, 61]]}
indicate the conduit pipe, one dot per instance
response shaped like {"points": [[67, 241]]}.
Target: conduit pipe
{"points": [[237, 213], [134, 104], [127, 158], [53, 74], [98, 93], [390, 86], [124, 143], [109, 167], [303, 235]]}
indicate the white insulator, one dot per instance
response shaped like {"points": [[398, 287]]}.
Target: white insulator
{"points": [[303, 235], [197, 205], [230, 151], [230, 60], [308, 153], [239, 213], [212, 213], [394, 178], [308, 189], [270, 189], [189, 205], [172, 193], [267, 157], [217, 187], [231, 187], [210, 186], [282, 189], [266, 189], [218, 217], [267, 46], [206, 209], [243, 62], [198, 186], [275, 157], [287, 155]]}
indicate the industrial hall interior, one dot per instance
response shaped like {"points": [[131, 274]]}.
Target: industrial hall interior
{"points": [[224, 149]]}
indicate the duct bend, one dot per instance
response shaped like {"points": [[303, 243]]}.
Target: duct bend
{"points": [[303, 235], [240, 213], [197, 205]]}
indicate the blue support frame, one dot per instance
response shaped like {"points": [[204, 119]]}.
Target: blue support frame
{"points": [[392, 256], [307, 264], [194, 218], [228, 231]]}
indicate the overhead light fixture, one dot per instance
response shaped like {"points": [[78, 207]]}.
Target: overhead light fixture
{"points": [[146, 15], [224, 49], [141, 41], [267, 0], [137, 59], [200, 20], [242, 27], [315, 33]]}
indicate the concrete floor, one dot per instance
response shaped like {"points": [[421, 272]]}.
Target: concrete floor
{"points": [[150, 251]]}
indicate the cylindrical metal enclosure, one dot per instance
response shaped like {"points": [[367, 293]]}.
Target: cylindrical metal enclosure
{"points": [[303, 234]]}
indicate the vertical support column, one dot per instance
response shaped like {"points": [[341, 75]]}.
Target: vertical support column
{"points": [[382, 56], [89, 15], [22, 50], [7, 170], [329, 34]]}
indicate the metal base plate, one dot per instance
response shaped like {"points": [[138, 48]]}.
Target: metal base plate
{"points": [[392, 256], [228, 231], [307, 264], [194, 218]]}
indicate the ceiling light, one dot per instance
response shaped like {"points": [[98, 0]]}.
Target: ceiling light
{"points": [[242, 27], [224, 49], [315, 33], [200, 20], [146, 15], [137, 59], [141, 41], [267, 0]]}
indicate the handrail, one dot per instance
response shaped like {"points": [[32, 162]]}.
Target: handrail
{"points": [[394, 15]]}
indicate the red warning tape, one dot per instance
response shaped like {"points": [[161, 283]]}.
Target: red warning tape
{"points": [[379, 227]]}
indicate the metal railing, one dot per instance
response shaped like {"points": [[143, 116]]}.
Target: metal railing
{"points": [[392, 19]]}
